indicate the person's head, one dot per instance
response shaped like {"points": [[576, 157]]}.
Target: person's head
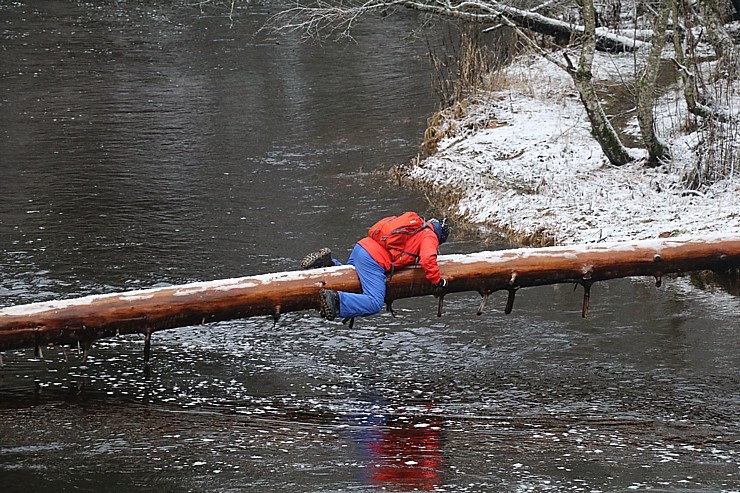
{"points": [[441, 229]]}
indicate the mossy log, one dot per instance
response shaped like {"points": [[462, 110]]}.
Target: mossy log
{"points": [[83, 320]]}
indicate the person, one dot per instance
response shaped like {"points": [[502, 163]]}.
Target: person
{"points": [[373, 263]]}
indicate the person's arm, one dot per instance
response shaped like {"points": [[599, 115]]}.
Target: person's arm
{"points": [[428, 258]]}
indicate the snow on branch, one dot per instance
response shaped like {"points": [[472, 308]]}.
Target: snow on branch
{"points": [[329, 19]]}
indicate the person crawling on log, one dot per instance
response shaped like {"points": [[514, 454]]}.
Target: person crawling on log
{"points": [[392, 243]]}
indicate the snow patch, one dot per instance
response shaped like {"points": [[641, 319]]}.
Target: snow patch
{"points": [[527, 163]]}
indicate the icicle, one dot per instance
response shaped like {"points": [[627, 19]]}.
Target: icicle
{"points": [[510, 300], [86, 345], [147, 346], [483, 301], [276, 315], [440, 302], [389, 308], [586, 299], [38, 352]]}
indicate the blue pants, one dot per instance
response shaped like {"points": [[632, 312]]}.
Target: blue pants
{"points": [[372, 281]]}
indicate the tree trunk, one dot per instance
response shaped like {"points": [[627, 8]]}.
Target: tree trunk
{"points": [[601, 128], [657, 150], [688, 69], [720, 38], [83, 320]]}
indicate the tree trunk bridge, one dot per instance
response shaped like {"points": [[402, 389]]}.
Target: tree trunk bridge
{"points": [[80, 321]]}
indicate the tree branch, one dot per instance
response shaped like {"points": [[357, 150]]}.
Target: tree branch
{"points": [[328, 19]]}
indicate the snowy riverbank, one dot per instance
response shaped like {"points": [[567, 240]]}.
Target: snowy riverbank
{"points": [[522, 161]]}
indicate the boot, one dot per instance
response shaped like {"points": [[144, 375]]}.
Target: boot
{"points": [[315, 260], [329, 304]]}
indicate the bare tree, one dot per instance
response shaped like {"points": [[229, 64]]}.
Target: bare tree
{"points": [[327, 20], [721, 40], [582, 75], [687, 70], [646, 90], [708, 98]]}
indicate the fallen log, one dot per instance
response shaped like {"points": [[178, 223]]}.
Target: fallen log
{"points": [[493, 12], [83, 320]]}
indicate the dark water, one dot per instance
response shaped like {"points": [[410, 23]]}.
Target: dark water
{"points": [[142, 143]]}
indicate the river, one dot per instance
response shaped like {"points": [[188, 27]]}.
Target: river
{"points": [[146, 144]]}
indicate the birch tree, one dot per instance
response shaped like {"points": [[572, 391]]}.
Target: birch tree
{"points": [[582, 75], [646, 90]]}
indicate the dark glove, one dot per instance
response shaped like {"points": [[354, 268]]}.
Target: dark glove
{"points": [[439, 288]]}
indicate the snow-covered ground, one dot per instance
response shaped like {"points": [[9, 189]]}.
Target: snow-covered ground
{"points": [[523, 162]]}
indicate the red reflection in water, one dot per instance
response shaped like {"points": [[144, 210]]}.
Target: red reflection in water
{"points": [[403, 454]]}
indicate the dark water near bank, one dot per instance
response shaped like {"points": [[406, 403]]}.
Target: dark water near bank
{"points": [[143, 144]]}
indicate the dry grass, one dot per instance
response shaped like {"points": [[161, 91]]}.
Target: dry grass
{"points": [[708, 280], [442, 124], [462, 67]]}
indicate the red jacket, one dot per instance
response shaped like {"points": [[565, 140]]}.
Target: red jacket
{"points": [[424, 244]]}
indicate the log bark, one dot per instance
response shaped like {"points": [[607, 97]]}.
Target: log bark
{"points": [[83, 320]]}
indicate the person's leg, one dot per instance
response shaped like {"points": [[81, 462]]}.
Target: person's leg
{"points": [[372, 281]]}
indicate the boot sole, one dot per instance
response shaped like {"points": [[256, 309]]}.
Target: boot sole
{"points": [[315, 260]]}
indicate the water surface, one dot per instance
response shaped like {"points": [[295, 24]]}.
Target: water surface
{"points": [[144, 144]]}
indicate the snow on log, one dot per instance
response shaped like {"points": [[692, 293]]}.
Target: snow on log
{"points": [[83, 320]]}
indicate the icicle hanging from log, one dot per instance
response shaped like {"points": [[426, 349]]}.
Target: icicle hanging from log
{"points": [[83, 320]]}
